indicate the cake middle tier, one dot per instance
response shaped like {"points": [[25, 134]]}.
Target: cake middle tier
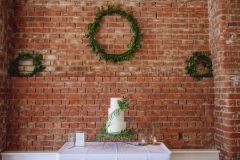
{"points": [[115, 118], [116, 127]]}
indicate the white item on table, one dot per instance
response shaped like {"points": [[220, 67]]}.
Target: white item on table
{"points": [[116, 124], [154, 140], [80, 141]]}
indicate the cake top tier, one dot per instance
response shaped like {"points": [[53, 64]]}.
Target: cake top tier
{"points": [[114, 103]]}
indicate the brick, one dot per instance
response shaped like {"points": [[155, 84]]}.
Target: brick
{"points": [[22, 85], [58, 19], [40, 30], [68, 13], [56, 96], [148, 4], [35, 13], [39, 96], [73, 107], [74, 8], [67, 25], [39, 84], [49, 13], [42, 19], [58, 8]]}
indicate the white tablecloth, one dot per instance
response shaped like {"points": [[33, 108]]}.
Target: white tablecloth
{"points": [[113, 151]]}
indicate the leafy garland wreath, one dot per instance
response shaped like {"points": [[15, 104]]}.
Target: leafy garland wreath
{"points": [[126, 134], [196, 59], [37, 62], [133, 46]]}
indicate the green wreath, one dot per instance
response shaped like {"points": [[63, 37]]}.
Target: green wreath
{"points": [[199, 58], [133, 46], [37, 62]]}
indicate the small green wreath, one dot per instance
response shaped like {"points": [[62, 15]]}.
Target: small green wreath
{"points": [[37, 62], [199, 60], [133, 46]]}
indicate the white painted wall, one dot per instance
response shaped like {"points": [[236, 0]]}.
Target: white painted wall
{"points": [[177, 154], [194, 154], [31, 155]]}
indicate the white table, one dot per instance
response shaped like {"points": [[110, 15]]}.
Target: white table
{"points": [[114, 151]]}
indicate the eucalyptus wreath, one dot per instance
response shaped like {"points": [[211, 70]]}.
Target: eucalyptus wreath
{"points": [[125, 134], [134, 44], [199, 58], [13, 70]]}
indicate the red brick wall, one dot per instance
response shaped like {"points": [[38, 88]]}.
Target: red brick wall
{"points": [[5, 32], [225, 47], [73, 92]]}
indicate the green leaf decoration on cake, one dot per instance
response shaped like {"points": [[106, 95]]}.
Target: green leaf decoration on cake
{"points": [[123, 105], [125, 134]]}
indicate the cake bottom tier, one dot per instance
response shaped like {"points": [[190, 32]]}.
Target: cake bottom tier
{"points": [[116, 127]]}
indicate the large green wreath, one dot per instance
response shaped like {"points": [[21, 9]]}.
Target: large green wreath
{"points": [[199, 58], [133, 46], [37, 62]]}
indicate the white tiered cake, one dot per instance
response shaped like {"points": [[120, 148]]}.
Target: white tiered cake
{"points": [[116, 124]]}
